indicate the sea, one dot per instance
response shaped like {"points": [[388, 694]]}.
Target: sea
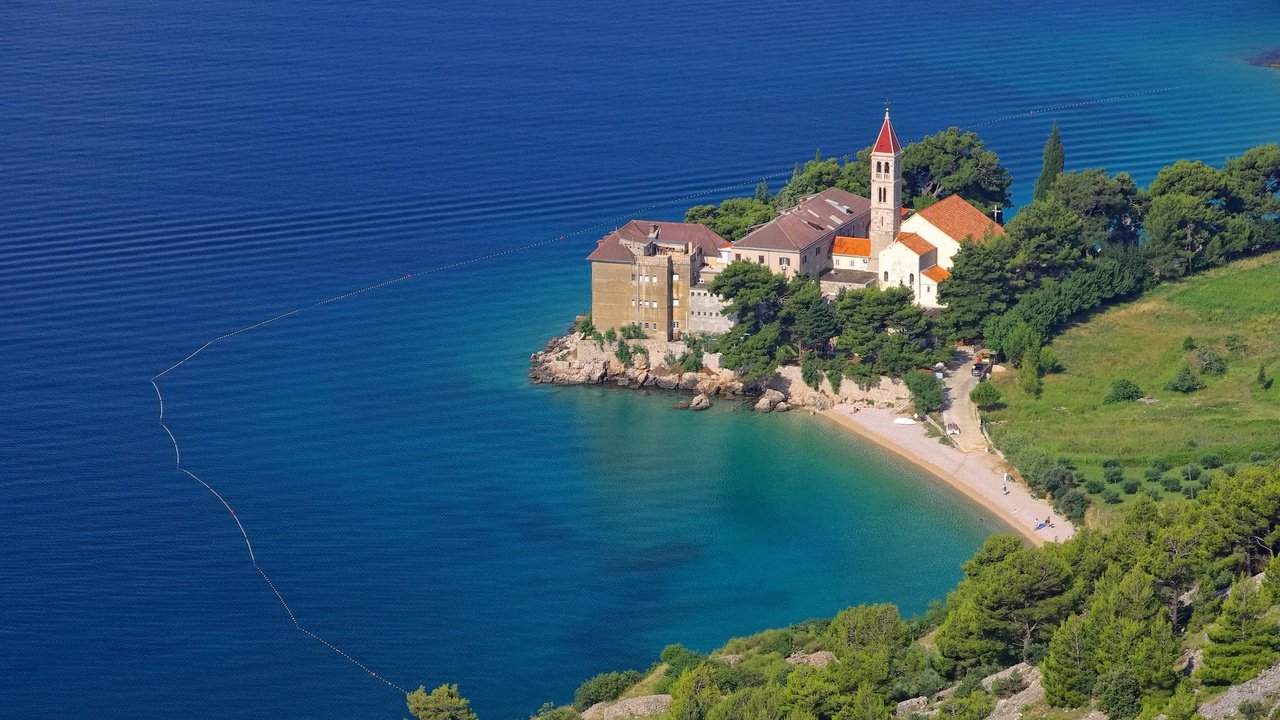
{"points": [[172, 172]]}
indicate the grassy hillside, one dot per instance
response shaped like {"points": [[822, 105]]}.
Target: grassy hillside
{"points": [[1233, 311]]}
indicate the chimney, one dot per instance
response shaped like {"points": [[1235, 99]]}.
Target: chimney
{"points": [[653, 231]]}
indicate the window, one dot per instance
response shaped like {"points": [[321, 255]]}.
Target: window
{"points": [[675, 278], [737, 256], [761, 259], [886, 276], [675, 302], [911, 278], [928, 289], [784, 262], [675, 325]]}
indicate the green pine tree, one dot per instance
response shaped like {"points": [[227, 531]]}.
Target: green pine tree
{"points": [[1054, 162]]}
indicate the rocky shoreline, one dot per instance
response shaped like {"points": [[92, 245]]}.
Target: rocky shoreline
{"points": [[578, 359]]}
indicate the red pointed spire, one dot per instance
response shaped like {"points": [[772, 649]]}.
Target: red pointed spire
{"points": [[887, 142]]}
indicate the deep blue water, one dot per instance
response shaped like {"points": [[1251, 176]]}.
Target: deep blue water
{"points": [[169, 172]]}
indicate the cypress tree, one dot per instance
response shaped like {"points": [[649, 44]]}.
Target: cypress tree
{"points": [[1054, 162]]}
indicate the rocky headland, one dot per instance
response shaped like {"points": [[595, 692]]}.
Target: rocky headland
{"points": [[578, 359]]}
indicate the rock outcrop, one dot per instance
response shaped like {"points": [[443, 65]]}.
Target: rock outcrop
{"points": [[769, 400], [822, 658], [701, 402], [576, 359], [643, 706], [1264, 688]]}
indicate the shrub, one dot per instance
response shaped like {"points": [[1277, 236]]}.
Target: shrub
{"points": [[1048, 361], [670, 361], [1009, 685], [1210, 362], [1258, 458], [1191, 472], [836, 378], [975, 706], [985, 395], [603, 688], [972, 680], [585, 326], [1113, 473], [1185, 381], [678, 659], [1152, 473], [1251, 710], [633, 332], [1230, 470], [1211, 461], [1031, 382], [1072, 505], [1094, 486], [610, 336], [1188, 343], [1152, 493], [1111, 462], [1235, 343], [623, 352], [549, 711], [1263, 381], [1130, 487], [811, 370], [1159, 463], [1171, 483], [1118, 694], [926, 391], [1190, 490], [1123, 391], [1111, 497]]}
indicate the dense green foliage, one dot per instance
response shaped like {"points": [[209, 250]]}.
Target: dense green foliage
{"points": [[862, 335], [604, 687], [443, 703], [1054, 163], [1105, 616], [945, 163], [926, 391]]}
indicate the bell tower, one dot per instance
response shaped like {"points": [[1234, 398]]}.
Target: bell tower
{"points": [[886, 191]]}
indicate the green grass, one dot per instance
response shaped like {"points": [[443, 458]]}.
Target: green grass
{"points": [[1234, 310]]}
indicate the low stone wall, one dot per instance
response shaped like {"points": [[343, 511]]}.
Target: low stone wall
{"points": [[576, 359]]}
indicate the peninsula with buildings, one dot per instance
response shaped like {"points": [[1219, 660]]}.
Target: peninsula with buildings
{"points": [[878, 292]]}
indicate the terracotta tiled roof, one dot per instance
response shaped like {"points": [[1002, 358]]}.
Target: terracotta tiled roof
{"points": [[861, 247], [816, 217], [610, 248], [887, 141], [915, 243], [936, 274], [957, 218]]}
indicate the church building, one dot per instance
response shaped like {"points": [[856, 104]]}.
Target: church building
{"points": [[916, 252]]}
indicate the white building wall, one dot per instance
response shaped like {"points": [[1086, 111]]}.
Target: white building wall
{"points": [[928, 295], [947, 246], [849, 262]]}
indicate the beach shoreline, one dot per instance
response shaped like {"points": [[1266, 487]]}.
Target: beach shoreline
{"points": [[978, 476]]}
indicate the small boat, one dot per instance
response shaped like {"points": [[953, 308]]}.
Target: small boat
{"points": [[903, 421]]}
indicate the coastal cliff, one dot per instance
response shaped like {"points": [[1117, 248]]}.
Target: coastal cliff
{"points": [[577, 359]]}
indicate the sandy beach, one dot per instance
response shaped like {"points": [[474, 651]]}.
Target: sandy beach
{"points": [[979, 475]]}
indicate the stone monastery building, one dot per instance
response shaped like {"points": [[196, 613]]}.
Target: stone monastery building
{"points": [[655, 274]]}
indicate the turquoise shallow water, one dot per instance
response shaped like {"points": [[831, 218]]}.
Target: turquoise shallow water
{"points": [[173, 173]]}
